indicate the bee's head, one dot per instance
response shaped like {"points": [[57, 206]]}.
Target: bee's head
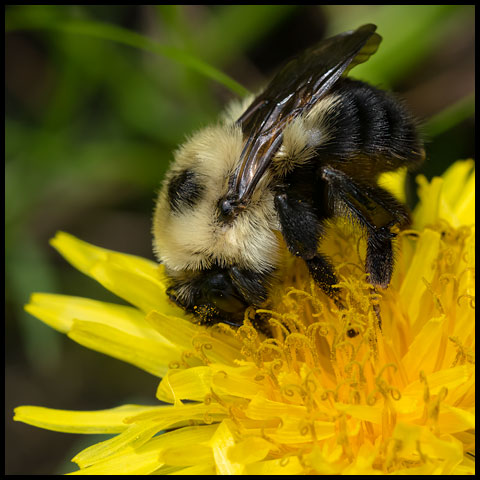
{"points": [[216, 294]]}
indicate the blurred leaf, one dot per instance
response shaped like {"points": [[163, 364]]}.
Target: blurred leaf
{"points": [[28, 270], [451, 116], [127, 37], [232, 29], [147, 104], [173, 18], [409, 33]]}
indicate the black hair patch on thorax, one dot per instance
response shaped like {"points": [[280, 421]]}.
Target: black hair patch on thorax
{"points": [[184, 190]]}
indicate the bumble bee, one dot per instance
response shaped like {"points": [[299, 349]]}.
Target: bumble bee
{"points": [[308, 148]]}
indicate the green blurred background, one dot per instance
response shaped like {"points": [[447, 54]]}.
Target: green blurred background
{"points": [[98, 97]]}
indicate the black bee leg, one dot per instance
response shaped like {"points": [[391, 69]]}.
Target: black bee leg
{"points": [[322, 272], [301, 229], [377, 211], [379, 260]]}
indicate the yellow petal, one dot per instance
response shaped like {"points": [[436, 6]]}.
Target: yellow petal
{"points": [[464, 393], [189, 446], [446, 451], [261, 408], [439, 456], [169, 415], [177, 330], [282, 466], [141, 291], [362, 465], [453, 419], [83, 256], [193, 470], [451, 197], [250, 450], [459, 191], [467, 467], [293, 430], [394, 182], [426, 212], [147, 458], [150, 355], [99, 421], [180, 456], [237, 381], [422, 266], [60, 311], [135, 279], [133, 436], [190, 384], [143, 426], [116, 330], [128, 461], [221, 442], [450, 378], [421, 354], [362, 412], [465, 204], [325, 459]]}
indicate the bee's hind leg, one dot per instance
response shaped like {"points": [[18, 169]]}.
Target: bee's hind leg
{"points": [[374, 209]]}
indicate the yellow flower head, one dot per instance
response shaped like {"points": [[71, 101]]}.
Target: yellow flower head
{"points": [[329, 392]]}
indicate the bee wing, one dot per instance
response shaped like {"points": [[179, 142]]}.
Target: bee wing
{"points": [[293, 91]]}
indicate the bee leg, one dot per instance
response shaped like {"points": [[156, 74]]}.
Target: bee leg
{"points": [[322, 272], [377, 211], [301, 229], [379, 260]]}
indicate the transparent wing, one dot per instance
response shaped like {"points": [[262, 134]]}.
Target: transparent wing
{"points": [[294, 90]]}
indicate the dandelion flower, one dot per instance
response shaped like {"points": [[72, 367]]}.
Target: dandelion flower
{"points": [[311, 398]]}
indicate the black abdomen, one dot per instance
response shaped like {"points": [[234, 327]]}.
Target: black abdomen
{"points": [[370, 131]]}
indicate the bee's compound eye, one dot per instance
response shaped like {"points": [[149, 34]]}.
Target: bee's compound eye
{"points": [[221, 293], [226, 302]]}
